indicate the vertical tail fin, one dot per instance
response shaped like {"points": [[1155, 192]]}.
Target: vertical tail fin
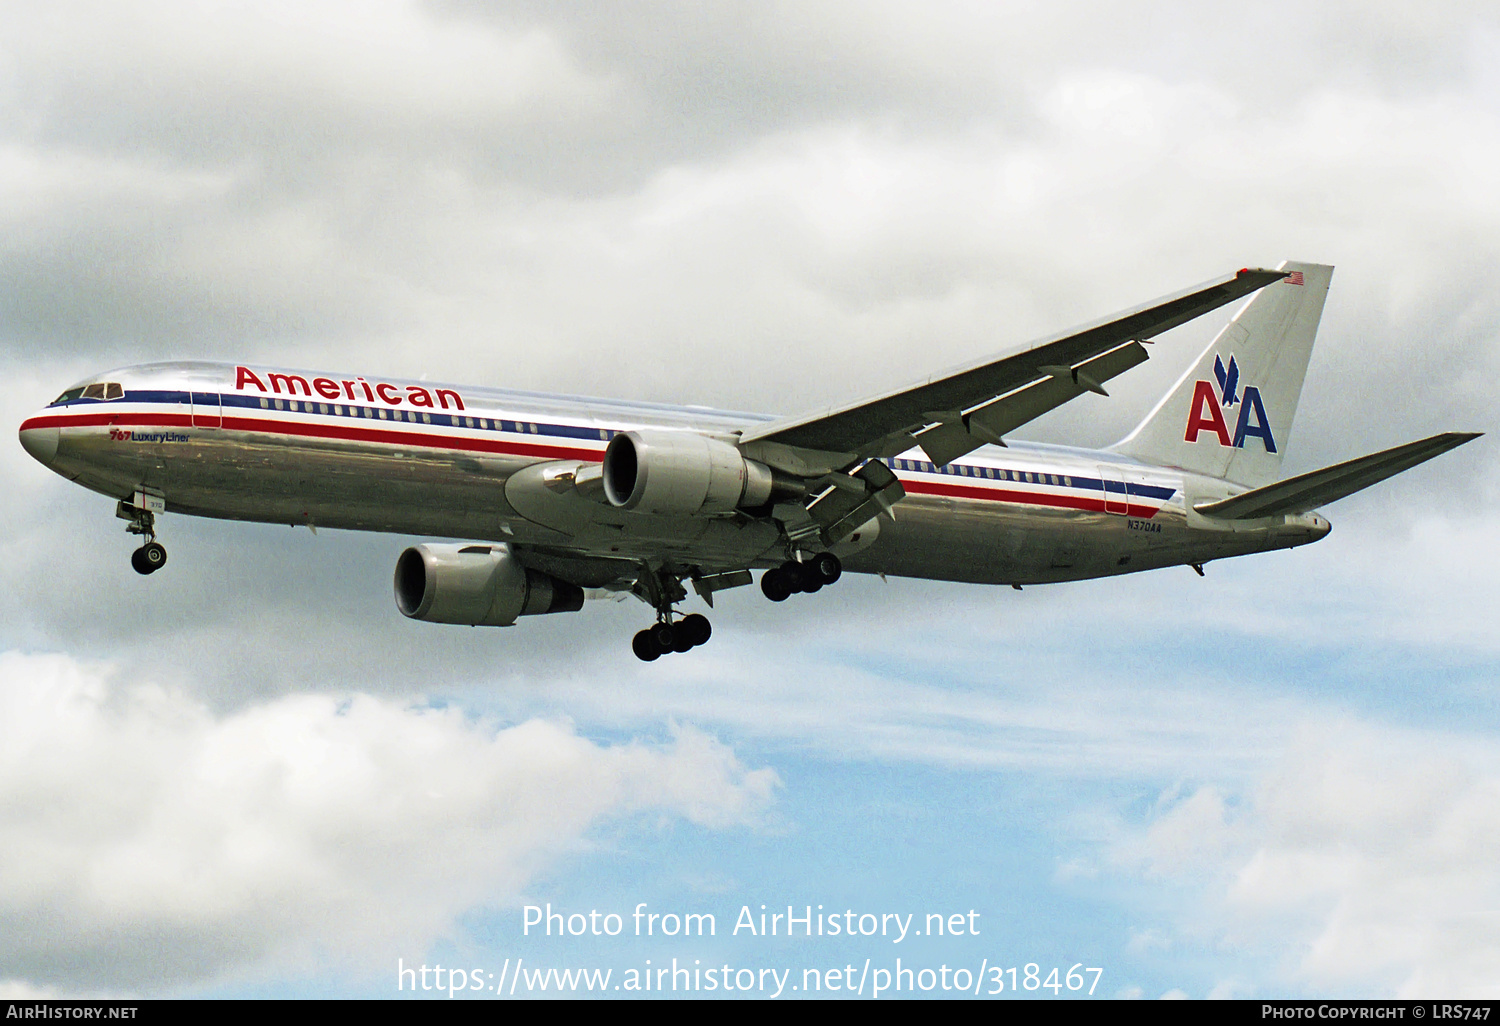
{"points": [[1231, 414]]}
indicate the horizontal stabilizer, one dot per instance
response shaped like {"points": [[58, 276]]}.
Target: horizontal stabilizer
{"points": [[1320, 487]]}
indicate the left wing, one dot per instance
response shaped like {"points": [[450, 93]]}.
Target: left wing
{"points": [[955, 412]]}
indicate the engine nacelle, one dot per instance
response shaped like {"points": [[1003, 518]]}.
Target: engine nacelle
{"points": [[479, 585], [682, 473]]}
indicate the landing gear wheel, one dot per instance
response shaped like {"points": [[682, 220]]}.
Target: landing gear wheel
{"points": [[645, 647], [682, 637], [665, 636], [154, 555], [775, 584], [791, 572], [804, 578], [696, 628], [149, 558], [827, 567]]}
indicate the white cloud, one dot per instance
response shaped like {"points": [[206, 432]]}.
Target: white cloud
{"points": [[1362, 863], [144, 840], [332, 193], [341, 70]]}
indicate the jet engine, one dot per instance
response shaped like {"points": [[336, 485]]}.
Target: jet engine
{"points": [[682, 473], [480, 585]]}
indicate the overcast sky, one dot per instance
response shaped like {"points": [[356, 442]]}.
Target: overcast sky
{"points": [[250, 775]]}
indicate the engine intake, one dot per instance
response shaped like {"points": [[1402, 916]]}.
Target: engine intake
{"points": [[479, 585], [682, 472]]}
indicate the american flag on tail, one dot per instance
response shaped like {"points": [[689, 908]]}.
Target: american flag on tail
{"points": [[1295, 278]]}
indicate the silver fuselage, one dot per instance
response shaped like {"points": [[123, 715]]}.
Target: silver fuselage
{"points": [[414, 458]]}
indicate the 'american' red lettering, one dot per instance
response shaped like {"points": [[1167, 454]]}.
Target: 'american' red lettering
{"points": [[328, 388]]}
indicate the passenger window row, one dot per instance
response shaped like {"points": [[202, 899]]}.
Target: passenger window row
{"points": [[422, 417], [957, 470]]}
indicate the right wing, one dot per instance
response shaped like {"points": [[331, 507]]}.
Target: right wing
{"points": [[957, 411]]}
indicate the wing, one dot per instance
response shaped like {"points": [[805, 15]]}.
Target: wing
{"points": [[957, 411]]}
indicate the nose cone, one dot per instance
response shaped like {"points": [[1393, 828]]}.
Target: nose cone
{"points": [[1320, 527], [41, 442]]}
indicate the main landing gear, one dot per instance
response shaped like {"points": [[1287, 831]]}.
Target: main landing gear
{"points": [[152, 555], [807, 576], [663, 589], [686, 634]]}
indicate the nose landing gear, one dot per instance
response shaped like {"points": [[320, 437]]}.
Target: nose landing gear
{"points": [[152, 555]]}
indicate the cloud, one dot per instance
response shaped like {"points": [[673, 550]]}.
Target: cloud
{"points": [[1362, 862], [145, 842], [398, 186], [223, 82]]}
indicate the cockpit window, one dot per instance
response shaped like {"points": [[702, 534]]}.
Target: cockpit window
{"points": [[98, 390]]}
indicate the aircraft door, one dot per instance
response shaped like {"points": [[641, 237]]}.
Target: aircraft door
{"points": [[207, 411], [1115, 500]]}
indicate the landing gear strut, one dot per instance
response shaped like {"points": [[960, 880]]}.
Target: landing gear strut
{"points": [[807, 576], [152, 555], [664, 590]]}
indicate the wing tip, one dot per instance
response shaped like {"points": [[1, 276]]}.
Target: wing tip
{"points": [[1453, 439]]}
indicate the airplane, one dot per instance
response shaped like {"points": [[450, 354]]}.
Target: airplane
{"points": [[559, 495]]}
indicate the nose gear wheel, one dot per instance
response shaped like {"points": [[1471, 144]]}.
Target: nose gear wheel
{"points": [[149, 558]]}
